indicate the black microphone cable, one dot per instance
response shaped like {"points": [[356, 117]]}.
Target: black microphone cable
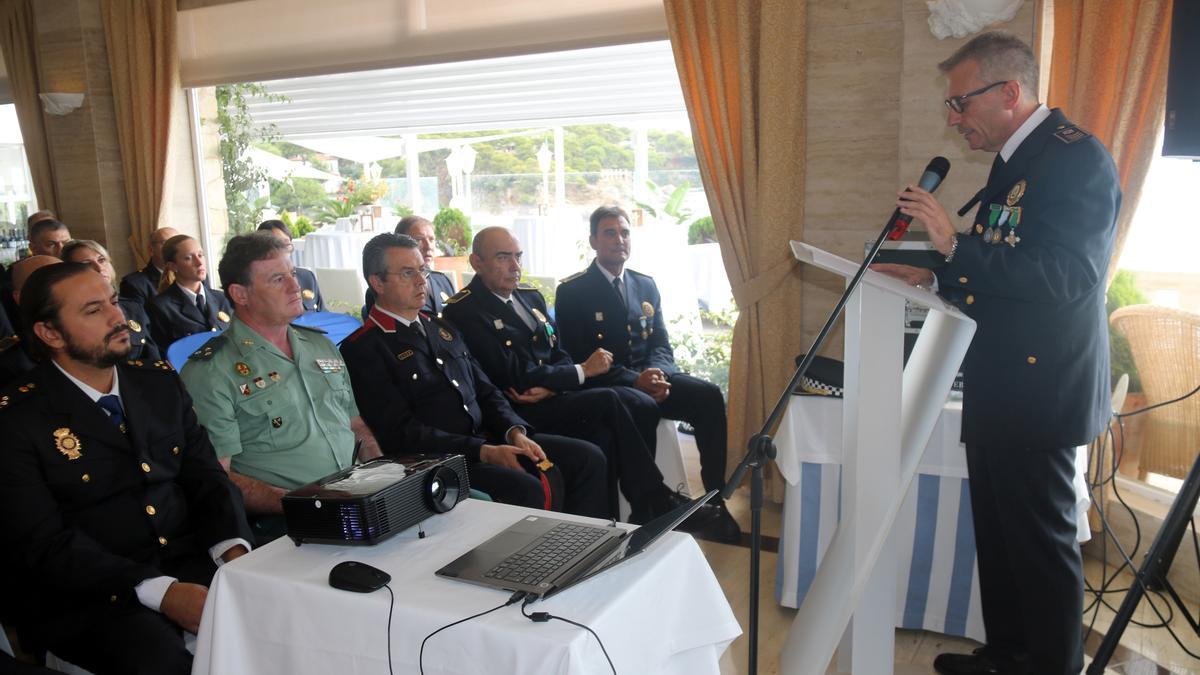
{"points": [[543, 617], [515, 598]]}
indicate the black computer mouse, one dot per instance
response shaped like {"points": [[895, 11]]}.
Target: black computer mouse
{"points": [[357, 577]]}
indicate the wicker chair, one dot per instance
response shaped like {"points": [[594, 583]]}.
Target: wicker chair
{"points": [[1166, 348]]}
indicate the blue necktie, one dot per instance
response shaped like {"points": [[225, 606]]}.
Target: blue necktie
{"points": [[116, 414]]}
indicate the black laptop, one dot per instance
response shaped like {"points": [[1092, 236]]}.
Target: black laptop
{"points": [[541, 555]]}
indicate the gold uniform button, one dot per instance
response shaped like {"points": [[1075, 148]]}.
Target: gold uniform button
{"points": [[175, 450], [962, 280], [150, 510], [1031, 360], [970, 299], [85, 478], [162, 541], [112, 598], [599, 336], [145, 467]]}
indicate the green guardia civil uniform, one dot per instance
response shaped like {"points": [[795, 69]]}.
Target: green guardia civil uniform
{"points": [[283, 421]]}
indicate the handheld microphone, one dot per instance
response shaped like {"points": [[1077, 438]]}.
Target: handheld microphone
{"points": [[934, 174]]}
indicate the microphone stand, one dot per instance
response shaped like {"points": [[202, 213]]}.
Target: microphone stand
{"points": [[761, 446]]}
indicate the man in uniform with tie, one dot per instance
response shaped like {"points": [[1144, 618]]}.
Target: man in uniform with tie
{"points": [[1031, 272], [516, 344], [420, 391], [275, 397], [611, 307], [114, 508], [141, 286], [440, 286]]}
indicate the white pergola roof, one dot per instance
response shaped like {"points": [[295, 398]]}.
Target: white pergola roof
{"points": [[619, 84]]}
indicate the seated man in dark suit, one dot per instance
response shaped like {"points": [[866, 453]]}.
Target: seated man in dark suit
{"points": [[419, 390], [114, 508], [185, 304], [91, 253], [47, 237], [608, 306], [310, 291], [15, 358], [440, 286], [141, 286], [508, 333]]}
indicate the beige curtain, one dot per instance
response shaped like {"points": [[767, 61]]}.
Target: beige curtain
{"points": [[144, 60], [742, 68], [1108, 72], [18, 40]]}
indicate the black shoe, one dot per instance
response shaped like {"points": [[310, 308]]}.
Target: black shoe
{"points": [[723, 529], [685, 428], [982, 661], [665, 500]]}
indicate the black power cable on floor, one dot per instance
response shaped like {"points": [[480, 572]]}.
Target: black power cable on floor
{"points": [[1096, 456]]}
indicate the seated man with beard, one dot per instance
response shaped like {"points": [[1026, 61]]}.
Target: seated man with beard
{"points": [[114, 508]]}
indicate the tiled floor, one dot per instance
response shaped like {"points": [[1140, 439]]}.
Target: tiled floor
{"points": [[1145, 651]]}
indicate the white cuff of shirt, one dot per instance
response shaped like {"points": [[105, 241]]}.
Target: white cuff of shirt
{"points": [[579, 372], [220, 548], [933, 287], [151, 591], [510, 430]]}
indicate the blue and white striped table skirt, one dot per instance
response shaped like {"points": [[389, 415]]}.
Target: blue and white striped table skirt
{"points": [[935, 549], [938, 586]]}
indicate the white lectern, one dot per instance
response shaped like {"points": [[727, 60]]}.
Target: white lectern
{"points": [[889, 412]]}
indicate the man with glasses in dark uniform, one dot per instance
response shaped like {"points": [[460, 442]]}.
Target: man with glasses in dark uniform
{"points": [[1031, 272]]}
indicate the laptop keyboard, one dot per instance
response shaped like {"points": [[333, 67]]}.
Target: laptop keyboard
{"points": [[547, 554]]}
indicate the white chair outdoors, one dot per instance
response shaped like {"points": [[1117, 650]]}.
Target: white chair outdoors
{"points": [[669, 459], [340, 285]]}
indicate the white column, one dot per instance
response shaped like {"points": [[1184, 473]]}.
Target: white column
{"points": [[641, 162], [560, 170], [412, 161]]}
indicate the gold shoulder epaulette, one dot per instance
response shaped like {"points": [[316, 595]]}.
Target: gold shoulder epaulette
{"points": [[209, 348], [458, 296], [573, 277], [13, 395], [1069, 133], [151, 365], [9, 342]]}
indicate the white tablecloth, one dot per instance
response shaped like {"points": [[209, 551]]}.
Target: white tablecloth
{"points": [[273, 611], [935, 537], [329, 247]]}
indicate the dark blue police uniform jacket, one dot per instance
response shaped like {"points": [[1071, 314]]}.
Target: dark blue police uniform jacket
{"points": [[310, 292], [510, 352], [590, 315], [141, 286], [173, 315], [142, 344], [424, 393], [90, 512], [1032, 272]]}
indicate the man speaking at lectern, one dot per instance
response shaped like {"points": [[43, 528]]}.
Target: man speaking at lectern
{"points": [[1031, 272]]}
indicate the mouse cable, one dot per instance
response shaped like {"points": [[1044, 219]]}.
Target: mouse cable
{"points": [[542, 617], [515, 598], [391, 607]]}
